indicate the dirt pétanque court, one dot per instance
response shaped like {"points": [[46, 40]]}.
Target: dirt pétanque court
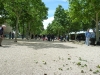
{"points": [[48, 58]]}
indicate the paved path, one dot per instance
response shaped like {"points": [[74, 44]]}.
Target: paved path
{"points": [[51, 58]]}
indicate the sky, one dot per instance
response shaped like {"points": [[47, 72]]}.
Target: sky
{"points": [[52, 5]]}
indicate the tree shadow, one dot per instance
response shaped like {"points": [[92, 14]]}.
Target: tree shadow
{"points": [[37, 44], [47, 45]]}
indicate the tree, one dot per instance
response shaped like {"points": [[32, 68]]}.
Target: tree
{"points": [[55, 28], [32, 11], [61, 16], [15, 8], [86, 11], [3, 12]]}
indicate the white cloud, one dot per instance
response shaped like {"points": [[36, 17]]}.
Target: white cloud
{"points": [[46, 22]]}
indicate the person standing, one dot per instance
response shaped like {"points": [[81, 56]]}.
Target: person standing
{"points": [[10, 35], [43, 37], [88, 36], [49, 37], [93, 37], [52, 37], [1, 33]]}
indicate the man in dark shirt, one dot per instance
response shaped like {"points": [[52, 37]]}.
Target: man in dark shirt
{"points": [[1, 33]]}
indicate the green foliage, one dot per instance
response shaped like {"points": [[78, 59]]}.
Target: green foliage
{"points": [[60, 69], [44, 32], [82, 71], [60, 15], [98, 66], [24, 15], [61, 22], [69, 58], [55, 28], [81, 12], [86, 11], [82, 59], [90, 69], [79, 63], [3, 13], [96, 72]]}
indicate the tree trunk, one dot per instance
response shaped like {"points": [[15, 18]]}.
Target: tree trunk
{"points": [[16, 32], [75, 35], [58, 35], [97, 28], [68, 36], [27, 32], [23, 34]]}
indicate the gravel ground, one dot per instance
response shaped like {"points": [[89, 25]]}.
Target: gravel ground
{"points": [[48, 58]]}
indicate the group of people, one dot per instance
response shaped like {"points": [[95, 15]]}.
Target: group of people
{"points": [[11, 35], [49, 37], [90, 36]]}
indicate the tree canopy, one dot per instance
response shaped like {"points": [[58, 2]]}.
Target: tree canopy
{"points": [[26, 16], [30, 12], [86, 11]]}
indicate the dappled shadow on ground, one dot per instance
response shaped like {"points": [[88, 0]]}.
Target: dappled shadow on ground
{"points": [[47, 45], [36, 44], [4, 46]]}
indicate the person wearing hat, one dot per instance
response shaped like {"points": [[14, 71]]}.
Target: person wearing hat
{"points": [[1, 33]]}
